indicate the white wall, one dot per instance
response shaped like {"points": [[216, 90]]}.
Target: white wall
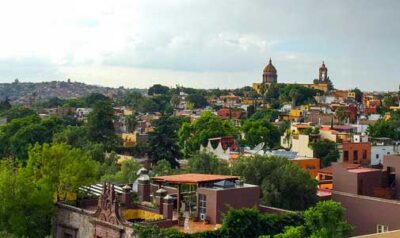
{"points": [[379, 151]]}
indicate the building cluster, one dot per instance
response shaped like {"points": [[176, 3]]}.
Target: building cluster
{"points": [[189, 202], [27, 94], [364, 180]]}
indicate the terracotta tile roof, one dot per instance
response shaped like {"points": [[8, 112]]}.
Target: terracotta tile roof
{"points": [[193, 178]]}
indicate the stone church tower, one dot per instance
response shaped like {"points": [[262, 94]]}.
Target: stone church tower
{"points": [[323, 73]]}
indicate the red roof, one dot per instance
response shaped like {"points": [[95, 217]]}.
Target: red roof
{"points": [[193, 178]]}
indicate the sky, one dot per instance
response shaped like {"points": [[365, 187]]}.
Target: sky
{"points": [[200, 43]]}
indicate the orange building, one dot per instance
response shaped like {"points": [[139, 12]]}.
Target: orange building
{"points": [[312, 165], [356, 153]]}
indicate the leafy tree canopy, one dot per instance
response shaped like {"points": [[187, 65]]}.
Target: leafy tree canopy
{"points": [[386, 128], [18, 112], [26, 207], [163, 141], [208, 125], [283, 184], [158, 89], [326, 151], [206, 163], [100, 125], [61, 168], [197, 100], [260, 131]]}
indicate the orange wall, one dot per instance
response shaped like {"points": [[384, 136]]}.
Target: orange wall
{"points": [[311, 165], [360, 148]]}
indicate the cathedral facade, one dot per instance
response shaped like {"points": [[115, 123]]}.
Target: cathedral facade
{"points": [[270, 76]]}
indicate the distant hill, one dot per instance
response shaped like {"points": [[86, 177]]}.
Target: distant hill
{"points": [[28, 93]]}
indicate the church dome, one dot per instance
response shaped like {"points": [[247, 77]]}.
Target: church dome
{"points": [[270, 68]]}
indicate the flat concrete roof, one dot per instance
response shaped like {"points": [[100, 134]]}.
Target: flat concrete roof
{"points": [[193, 178]]}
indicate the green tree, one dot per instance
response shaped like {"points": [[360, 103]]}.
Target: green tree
{"points": [[389, 101], [283, 184], [133, 99], [250, 223], [158, 89], [175, 100], [198, 101], [359, 95], [26, 207], [61, 168], [340, 114], [26, 136], [17, 135], [292, 232], [242, 223], [326, 219], [158, 103], [386, 127], [268, 114], [208, 125], [260, 131], [100, 125], [163, 140], [18, 112], [127, 173], [71, 135], [5, 105], [326, 151], [131, 123], [294, 94], [162, 167], [94, 98], [206, 163], [52, 102], [8, 130]]}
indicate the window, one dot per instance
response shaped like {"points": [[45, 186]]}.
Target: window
{"points": [[355, 155], [202, 206], [364, 154], [377, 156], [67, 235], [381, 228], [346, 155]]}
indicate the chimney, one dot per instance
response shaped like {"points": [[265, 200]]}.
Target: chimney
{"points": [[168, 207], [144, 186], [160, 194], [125, 197]]}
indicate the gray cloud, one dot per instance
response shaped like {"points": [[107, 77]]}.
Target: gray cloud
{"points": [[234, 38]]}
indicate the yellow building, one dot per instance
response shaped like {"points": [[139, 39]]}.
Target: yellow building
{"points": [[270, 76], [395, 108], [318, 86]]}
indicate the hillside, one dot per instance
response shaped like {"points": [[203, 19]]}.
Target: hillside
{"points": [[28, 93]]}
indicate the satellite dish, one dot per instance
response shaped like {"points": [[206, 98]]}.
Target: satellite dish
{"points": [[259, 147]]}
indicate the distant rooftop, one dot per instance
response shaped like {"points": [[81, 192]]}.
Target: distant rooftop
{"points": [[193, 178], [363, 170]]}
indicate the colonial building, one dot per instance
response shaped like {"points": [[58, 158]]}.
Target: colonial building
{"points": [[269, 76], [188, 202], [322, 82], [370, 196]]}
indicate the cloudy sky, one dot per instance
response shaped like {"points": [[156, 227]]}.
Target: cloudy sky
{"points": [[200, 43]]}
